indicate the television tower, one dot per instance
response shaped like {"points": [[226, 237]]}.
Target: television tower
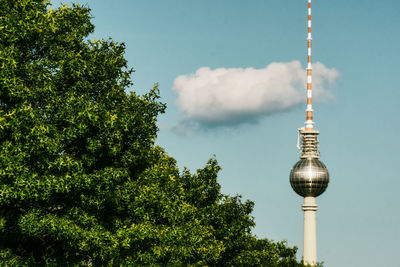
{"points": [[309, 177]]}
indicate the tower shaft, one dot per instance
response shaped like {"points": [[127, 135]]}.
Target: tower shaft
{"points": [[310, 231]]}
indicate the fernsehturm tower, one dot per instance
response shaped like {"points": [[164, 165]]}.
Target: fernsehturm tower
{"points": [[309, 177]]}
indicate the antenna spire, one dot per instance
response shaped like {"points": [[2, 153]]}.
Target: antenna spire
{"points": [[309, 123]]}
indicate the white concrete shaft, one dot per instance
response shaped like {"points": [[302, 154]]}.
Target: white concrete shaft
{"points": [[310, 231]]}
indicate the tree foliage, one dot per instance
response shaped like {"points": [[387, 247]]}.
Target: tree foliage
{"points": [[81, 180]]}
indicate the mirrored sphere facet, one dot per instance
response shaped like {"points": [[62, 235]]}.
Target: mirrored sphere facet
{"points": [[309, 177]]}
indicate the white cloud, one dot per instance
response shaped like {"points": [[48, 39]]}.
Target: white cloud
{"points": [[232, 96]]}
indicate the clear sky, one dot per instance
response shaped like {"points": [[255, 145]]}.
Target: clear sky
{"points": [[253, 130]]}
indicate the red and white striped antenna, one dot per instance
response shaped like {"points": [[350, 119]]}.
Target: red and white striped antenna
{"points": [[309, 123]]}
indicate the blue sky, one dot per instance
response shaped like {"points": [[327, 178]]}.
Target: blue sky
{"points": [[359, 216]]}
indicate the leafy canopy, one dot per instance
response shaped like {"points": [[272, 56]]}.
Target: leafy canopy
{"points": [[81, 181]]}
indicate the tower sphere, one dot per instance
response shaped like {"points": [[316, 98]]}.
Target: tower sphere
{"points": [[309, 177]]}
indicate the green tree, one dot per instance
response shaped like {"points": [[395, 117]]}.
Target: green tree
{"points": [[81, 181]]}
